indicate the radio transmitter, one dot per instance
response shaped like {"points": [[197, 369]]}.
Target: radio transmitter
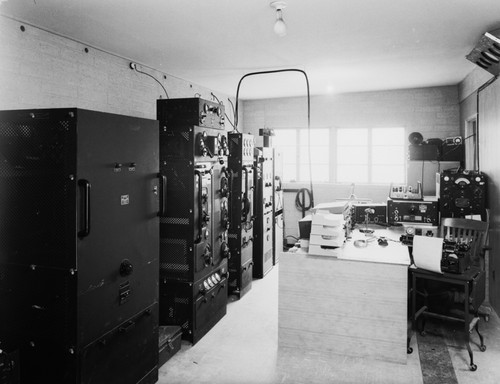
{"points": [[461, 193], [194, 241], [263, 224], [412, 211], [240, 161]]}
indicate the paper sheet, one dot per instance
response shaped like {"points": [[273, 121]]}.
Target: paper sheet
{"points": [[427, 252]]}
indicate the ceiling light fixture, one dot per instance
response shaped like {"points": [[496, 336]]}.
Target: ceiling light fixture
{"points": [[279, 25]]}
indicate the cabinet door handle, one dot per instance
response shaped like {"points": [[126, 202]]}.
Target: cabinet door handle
{"points": [[85, 208]]}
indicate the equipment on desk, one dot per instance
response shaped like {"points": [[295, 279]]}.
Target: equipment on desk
{"points": [[305, 227], [421, 230], [368, 211], [413, 211], [358, 213], [327, 233], [406, 192], [382, 241], [335, 207]]}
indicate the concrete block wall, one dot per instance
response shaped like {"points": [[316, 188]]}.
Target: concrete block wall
{"points": [[39, 69], [434, 112]]}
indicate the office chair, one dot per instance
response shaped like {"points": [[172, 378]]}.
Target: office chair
{"points": [[455, 296]]}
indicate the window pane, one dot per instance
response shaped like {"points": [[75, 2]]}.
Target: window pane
{"points": [[353, 136], [289, 172], [318, 154], [388, 155], [388, 174], [286, 141], [320, 172], [289, 154], [388, 136], [352, 155], [319, 136], [352, 173]]}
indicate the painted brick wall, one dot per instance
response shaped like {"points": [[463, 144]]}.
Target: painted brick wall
{"points": [[39, 69], [434, 112]]}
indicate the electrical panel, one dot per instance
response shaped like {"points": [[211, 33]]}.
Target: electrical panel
{"points": [[264, 212], [194, 239], [278, 205], [240, 161]]}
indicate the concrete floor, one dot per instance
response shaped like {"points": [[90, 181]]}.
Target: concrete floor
{"points": [[243, 348]]}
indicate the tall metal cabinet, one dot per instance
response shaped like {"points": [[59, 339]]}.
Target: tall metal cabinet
{"points": [[79, 245]]}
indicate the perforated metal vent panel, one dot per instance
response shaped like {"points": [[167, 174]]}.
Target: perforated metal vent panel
{"points": [[37, 195], [173, 256]]}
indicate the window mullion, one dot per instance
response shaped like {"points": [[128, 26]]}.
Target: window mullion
{"points": [[370, 155]]}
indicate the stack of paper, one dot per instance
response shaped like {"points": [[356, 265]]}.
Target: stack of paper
{"points": [[327, 233]]}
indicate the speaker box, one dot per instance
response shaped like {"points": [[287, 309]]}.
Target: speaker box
{"points": [[429, 152]]}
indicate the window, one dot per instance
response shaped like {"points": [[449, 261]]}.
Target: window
{"points": [[371, 155], [286, 141], [293, 143], [359, 155]]}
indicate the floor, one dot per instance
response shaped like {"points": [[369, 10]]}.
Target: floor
{"points": [[242, 348]]}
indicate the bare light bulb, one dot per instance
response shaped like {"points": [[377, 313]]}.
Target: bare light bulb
{"points": [[279, 26]]}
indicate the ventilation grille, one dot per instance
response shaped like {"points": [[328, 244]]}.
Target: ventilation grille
{"points": [[486, 53]]}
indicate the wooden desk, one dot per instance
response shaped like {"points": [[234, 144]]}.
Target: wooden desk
{"points": [[355, 304]]}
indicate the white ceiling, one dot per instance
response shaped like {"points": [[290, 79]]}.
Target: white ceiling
{"points": [[342, 45]]}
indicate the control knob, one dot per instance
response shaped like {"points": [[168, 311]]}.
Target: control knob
{"points": [[126, 268]]}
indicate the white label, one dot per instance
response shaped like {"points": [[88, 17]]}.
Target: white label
{"points": [[124, 199]]}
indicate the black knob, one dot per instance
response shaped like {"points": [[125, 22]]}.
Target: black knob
{"points": [[226, 253], [206, 217], [126, 268]]}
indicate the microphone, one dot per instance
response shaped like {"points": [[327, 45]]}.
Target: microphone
{"points": [[368, 211]]}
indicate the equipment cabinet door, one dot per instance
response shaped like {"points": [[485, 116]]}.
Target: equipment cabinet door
{"points": [[118, 205]]}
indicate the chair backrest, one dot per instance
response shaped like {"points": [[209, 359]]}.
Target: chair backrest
{"points": [[474, 232]]}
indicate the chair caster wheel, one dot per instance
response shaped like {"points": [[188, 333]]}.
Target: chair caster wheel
{"points": [[409, 350], [473, 367], [482, 348]]}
